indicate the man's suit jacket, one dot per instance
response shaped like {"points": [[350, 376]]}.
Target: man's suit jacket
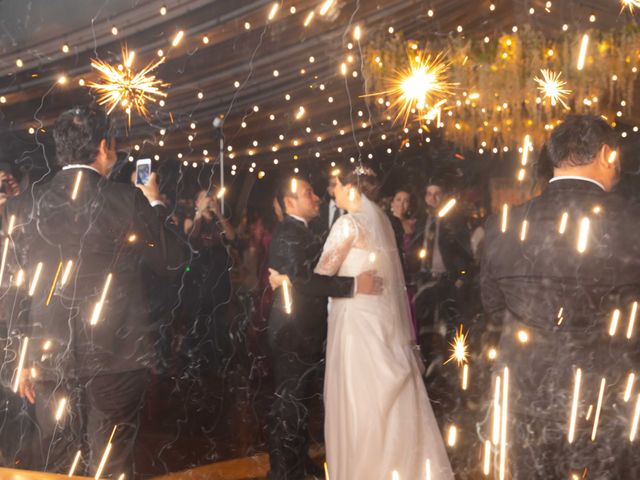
{"points": [[110, 228], [454, 244], [294, 251], [320, 224], [562, 299]]}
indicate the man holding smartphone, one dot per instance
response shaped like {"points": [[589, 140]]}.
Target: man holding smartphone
{"points": [[82, 241]]}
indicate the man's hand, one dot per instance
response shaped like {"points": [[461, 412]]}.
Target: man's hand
{"points": [[276, 278], [369, 283], [25, 387], [151, 190]]}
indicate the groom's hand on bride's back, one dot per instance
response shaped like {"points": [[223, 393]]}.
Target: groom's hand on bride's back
{"points": [[368, 283]]}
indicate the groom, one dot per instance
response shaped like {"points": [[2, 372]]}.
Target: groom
{"points": [[296, 339]]}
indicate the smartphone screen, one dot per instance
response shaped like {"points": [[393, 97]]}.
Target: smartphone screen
{"points": [[143, 171]]}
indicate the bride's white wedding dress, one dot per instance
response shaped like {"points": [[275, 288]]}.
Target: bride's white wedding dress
{"points": [[378, 416]]}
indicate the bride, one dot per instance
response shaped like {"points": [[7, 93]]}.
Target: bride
{"points": [[378, 416]]}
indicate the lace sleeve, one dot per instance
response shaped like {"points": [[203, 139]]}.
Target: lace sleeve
{"points": [[341, 238]]}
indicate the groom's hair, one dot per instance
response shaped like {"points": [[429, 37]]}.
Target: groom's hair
{"points": [[284, 190]]}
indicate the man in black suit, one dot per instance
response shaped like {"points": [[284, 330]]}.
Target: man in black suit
{"points": [[296, 339], [329, 211], [559, 277], [81, 242]]}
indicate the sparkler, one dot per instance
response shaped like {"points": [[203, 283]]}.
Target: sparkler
{"points": [[122, 86], [423, 82], [76, 185], [287, 296], [23, 354], [503, 424], [447, 208], [505, 218], [615, 316], [459, 348], [583, 235], [603, 382], [632, 319], [98, 308], [584, 45], [72, 470], [552, 87], [629, 387], [574, 405], [630, 4]]}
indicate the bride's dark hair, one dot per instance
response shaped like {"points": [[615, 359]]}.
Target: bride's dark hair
{"points": [[364, 180]]}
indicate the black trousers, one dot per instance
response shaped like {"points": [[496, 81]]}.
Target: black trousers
{"points": [[94, 406], [297, 363]]}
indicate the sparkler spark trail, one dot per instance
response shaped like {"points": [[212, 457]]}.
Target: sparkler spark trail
{"points": [[66, 273], [122, 86], [563, 223], [496, 413], [634, 424], [424, 82], [72, 470], [98, 308], [505, 218], [486, 468], [503, 424], [76, 185], [629, 387], [60, 410], [451, 438], [523, 231], [584, 45], [632, 319], [525, 150], [465, 376], [447, 208], [552, 87], [615, 316], [428, 468], [287, 296], [598, 408], [583, 236], [574, 405], [459, 348], [23, 354], [36, 277], [53, 285]]}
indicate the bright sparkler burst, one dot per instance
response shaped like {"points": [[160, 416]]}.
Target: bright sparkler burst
{"points": [[422, 84], [552, 87], [121, 85], [459, 348], [630, 4]]}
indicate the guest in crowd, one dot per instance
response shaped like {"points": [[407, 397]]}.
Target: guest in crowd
{"points": [[81, 241], [440, 256], [552, 294], [403, 222], [208, 284]]}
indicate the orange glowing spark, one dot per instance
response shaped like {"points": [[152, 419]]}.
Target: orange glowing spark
{"points": [[459, 348], [53, 285], [552, 87], [423, 82], [122, 86], [447, 208]]}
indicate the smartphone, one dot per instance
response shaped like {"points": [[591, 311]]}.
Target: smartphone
{"points": [[143, 171]]}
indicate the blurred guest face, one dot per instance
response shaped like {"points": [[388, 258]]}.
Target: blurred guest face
{"points": [[400, 204], [305, 203], [433, 196], [331, 188]]}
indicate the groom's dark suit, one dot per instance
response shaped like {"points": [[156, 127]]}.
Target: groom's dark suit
{"points": [[296, 342]]}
